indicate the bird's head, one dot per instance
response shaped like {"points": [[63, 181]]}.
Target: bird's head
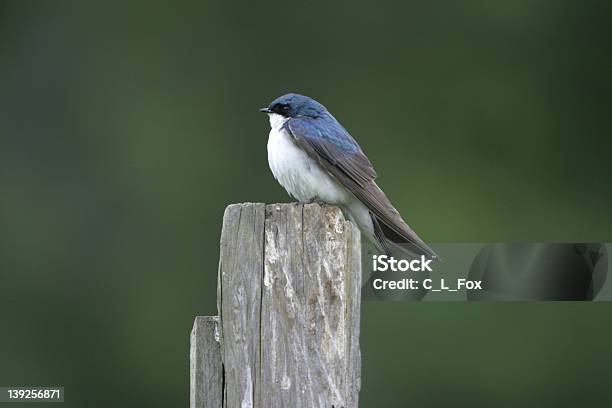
{"points": [[292, 104]]}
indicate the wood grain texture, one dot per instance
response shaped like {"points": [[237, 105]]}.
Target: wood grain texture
{"points": [[239, 302], [289, 302], [310, 326], [206, 368]]}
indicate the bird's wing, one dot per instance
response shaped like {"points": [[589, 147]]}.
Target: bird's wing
{"points": [[336, 151], [329, 143]]}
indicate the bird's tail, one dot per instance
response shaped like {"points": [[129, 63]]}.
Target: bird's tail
{"points": [[405, 244]]}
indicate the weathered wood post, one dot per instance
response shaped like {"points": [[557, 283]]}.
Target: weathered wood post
{"points": [[289, 292], [206, 368]]}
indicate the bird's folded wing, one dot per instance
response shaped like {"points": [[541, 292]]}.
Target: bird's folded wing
{"points": [[338, 153], [330, 144]]}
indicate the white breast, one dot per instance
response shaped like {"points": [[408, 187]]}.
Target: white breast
{"points": [[299, 174]]}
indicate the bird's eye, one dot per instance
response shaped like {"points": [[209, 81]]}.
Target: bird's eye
{"points": [[281, 108]]}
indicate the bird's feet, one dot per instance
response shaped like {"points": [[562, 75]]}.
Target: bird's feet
{"points": [[314, 200]]}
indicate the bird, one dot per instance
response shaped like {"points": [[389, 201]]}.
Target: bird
{"points": [[315, 159]]}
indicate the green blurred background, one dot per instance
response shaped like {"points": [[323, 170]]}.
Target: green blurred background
{"points": [[126, 128]]}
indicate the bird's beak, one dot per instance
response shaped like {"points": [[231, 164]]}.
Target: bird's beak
{"points": [[265, 110]]}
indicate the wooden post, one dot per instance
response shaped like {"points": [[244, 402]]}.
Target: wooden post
{"points": [[289, 292], [206, 368]]}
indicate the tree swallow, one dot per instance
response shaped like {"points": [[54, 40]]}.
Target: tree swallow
{"points": [[315, 159]]}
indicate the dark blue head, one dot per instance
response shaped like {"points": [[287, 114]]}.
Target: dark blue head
{"points": [[292, 104]]}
